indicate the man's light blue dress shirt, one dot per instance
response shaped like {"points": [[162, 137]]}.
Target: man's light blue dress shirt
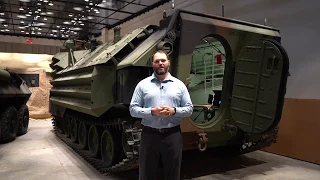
{"points": [[151, 92]]}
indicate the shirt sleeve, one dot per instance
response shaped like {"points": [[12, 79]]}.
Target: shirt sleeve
{"points": [[136, 105], [186, 106]]}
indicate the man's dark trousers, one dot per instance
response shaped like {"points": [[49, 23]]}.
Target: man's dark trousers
{"points": [[168, 146]]}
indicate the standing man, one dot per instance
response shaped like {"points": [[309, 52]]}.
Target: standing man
{"points": [[161, 100]]}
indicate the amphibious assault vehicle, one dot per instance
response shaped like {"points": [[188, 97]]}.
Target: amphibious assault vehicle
{"points": [[14, 112], [235, 71]]}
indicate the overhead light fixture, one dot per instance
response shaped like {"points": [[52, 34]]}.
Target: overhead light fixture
{"points": [[21, 9], [50, 4], [45, 19]]}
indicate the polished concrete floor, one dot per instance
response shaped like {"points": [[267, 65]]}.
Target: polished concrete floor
{"points": [[40, 155]]}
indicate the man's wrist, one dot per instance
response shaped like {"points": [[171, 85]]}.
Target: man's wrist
{"points": [[174, 111]]}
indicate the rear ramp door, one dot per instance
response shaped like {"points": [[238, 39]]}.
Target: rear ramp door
{"points": [[257, 85]]}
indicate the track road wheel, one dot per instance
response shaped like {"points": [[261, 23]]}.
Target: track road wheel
{"points": [[23, 120], [73, 130], [94, 140], [8, 124], [108, 148], [83, 135], [66, 126]]}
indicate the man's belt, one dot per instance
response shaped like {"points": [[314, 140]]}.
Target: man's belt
{"points": [[162, 130]]}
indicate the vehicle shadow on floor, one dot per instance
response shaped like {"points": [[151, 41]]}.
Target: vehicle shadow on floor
{"points": [[195, 164]]}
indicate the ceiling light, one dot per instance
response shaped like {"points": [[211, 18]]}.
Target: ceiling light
{"points": [[22, 31], [50, 13], [27, 33], [86, 0], [6, 29], [2, 14], [58, 26], [28, 15], [21, 9], [50, 4], [25, 0], [78, 8], [5, 25], [2, 19], [45, 19], [2, 30], [32, 32], [97, 12], [70, 15], [22, 16], [82, 24], [66, 22], [21, 22], [45, 1], [39, 29], [39, 32]]}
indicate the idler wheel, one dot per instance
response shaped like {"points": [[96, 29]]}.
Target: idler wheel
{"points": [[108, 148], [82, 135], [94, 141]]}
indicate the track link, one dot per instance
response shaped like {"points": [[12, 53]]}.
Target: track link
{"points": [[127, 163]]}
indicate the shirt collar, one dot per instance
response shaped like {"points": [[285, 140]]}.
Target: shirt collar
{"points": [[168, 78]]}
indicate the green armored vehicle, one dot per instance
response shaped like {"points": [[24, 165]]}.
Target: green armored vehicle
{"points": [[14, 112], [235, 71]]}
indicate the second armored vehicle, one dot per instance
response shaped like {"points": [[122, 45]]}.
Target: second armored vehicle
{"points": [[14, 112]]}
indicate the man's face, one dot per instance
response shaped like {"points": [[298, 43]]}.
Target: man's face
{"points": [[160, 63]]}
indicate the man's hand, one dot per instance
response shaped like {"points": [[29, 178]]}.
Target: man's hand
{"points": [[167, 111], [162, 111]]}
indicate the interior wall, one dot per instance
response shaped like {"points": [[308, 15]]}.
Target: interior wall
{"points": [[38, 103], [15, 44], [299, 27]]}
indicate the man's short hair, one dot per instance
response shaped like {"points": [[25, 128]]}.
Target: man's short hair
{"points": [[159, 51]]}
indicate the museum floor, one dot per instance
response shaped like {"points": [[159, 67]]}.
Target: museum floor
{"points": [[40, 155]]}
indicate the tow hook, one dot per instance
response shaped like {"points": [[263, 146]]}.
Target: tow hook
{"points": [[202, 142]]}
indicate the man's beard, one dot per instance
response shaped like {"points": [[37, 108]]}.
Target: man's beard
{"points": [[161, 72]]}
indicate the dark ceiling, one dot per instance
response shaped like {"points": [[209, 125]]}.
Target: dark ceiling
{"points": [[63, 19]]}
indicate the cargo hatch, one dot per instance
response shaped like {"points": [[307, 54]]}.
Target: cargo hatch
{"points": [[259, 71]]}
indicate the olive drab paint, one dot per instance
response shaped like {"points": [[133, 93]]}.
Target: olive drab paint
{"points": [[235, 71]]}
